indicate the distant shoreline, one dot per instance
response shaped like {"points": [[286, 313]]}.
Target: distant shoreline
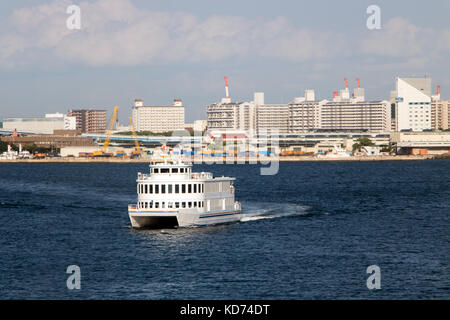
{"points": [[238, 161]]}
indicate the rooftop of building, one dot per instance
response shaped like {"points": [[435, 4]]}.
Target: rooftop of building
{"points": [[49, 119]]}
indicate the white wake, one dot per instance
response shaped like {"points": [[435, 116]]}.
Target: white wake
{"points": [[253, 211]]}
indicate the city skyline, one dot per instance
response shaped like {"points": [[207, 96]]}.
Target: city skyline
{"points": [[262, 48]]}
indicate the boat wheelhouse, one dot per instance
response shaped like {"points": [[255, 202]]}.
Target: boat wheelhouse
{"points": [[172, 195]]}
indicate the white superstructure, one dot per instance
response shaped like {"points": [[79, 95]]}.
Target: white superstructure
{"points": [[172, 195]]}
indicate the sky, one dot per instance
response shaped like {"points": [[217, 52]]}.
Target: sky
{"points": [[161, 50]]}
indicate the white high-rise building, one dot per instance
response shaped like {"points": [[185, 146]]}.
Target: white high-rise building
{"points": [[158, 118], [413, 104], [303, 114]]}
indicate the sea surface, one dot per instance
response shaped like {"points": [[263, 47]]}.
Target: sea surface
{"points": [[311, 231]]}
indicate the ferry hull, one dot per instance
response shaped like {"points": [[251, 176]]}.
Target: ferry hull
{"points": [[188, 218]]}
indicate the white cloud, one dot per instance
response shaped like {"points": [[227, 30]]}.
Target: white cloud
{"points": [[116, 32], [400, 38]]}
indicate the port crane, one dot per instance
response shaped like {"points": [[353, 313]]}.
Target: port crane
{"points": [[137, 151], [108, 135]]}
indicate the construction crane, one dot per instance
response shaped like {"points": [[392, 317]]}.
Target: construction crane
{"points": [[110, 128], [108, 135], [137, 151]]}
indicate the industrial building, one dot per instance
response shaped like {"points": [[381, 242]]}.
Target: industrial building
{"points": [[158, 118], [89, 120], [46, 125], [421, 142], [58, 139]]}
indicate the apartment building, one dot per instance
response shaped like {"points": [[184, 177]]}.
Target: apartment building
{"points": [[370, 116], [89, 120], [440, 114]]}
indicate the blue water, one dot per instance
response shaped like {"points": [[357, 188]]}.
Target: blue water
{"points": [[314, 229]]}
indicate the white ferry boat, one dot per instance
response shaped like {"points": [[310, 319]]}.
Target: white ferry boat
{"points": [[174, 196]]}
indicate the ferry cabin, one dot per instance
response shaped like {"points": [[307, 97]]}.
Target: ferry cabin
{"points": [[171, 187]]}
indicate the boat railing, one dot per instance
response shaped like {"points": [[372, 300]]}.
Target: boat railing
{"points": [[201, 175]]}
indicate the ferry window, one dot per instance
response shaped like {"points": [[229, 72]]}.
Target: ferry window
{"points": [[156, 170], [170, 205], [163, 188], [175, 170], [156, 188], [195, 204], [156, 204], [181, 170], [177, 204], [183, 204], [177, 188], [164, 170], [189, 188], [151, 204], [183, 188], [146, 205], [163, 204], [170, 188], [195, 188], [146, 188], [151, 188]]}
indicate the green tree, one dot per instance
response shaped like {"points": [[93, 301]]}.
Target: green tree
{"points": [[387, 148], [3, 146], [362, 142]]}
